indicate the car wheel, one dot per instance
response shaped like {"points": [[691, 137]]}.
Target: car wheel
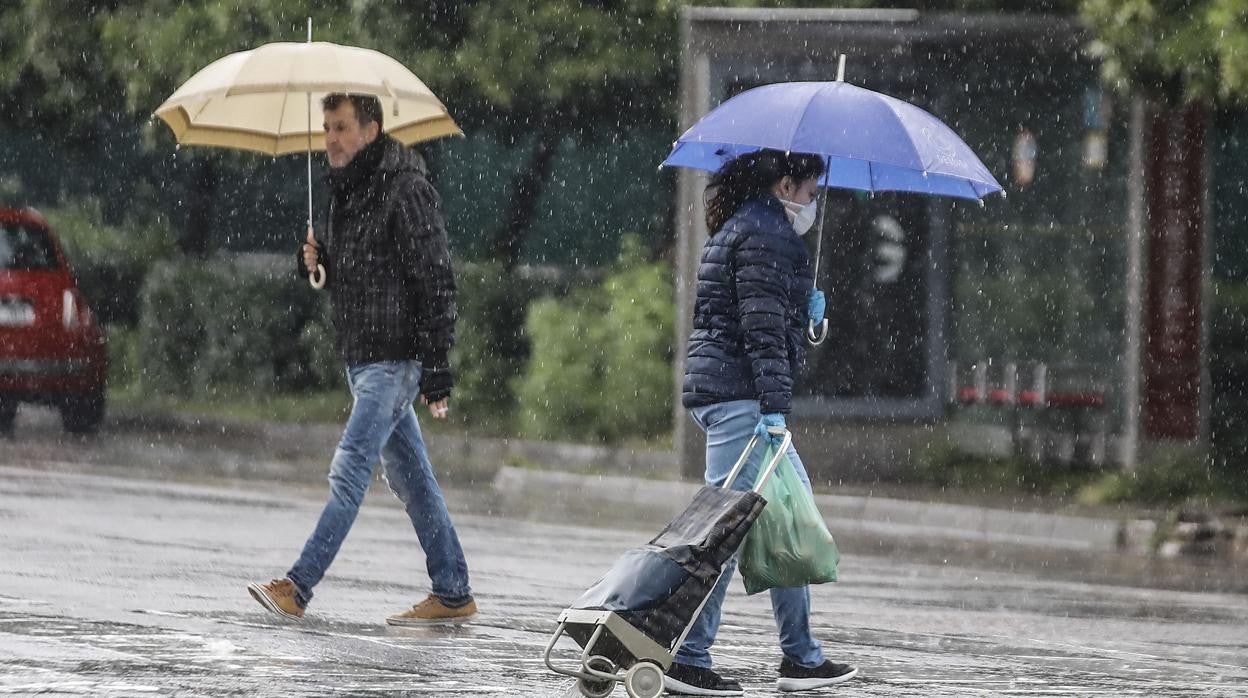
{"points": [[8, 414], [82, 414]]}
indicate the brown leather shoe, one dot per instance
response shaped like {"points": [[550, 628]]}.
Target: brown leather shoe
{"points": [[278, 596], [432, 611]]}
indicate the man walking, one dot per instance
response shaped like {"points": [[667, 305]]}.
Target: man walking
{"points": [[392, 294]]}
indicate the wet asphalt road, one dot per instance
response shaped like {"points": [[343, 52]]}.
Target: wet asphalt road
{"points": [[121, 586]]}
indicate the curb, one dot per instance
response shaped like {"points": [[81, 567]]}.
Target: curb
{"points": [[558, 490], [618, 498]]}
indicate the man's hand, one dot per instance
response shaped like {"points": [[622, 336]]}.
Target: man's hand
{"points": [[436, 383], [438, 409], [311, 252]]}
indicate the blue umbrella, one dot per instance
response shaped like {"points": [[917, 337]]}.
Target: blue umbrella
{"points": [[870, 142]]}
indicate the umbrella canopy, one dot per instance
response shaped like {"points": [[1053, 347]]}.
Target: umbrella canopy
{"points": [[268, 99], [870, 141]]}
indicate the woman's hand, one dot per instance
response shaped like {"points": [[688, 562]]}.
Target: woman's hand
{"points": [[816, 307], [773, 419]]}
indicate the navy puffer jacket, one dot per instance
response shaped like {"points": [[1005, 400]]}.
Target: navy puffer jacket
{"points": [[749, 317]]}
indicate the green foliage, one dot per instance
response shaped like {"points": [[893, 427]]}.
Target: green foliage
{"points": [[171, 333], [486, 361], [637, 383], [224, 325], [550, 58], [1031, 293], [601, 358], [53, 66], [239, 405], [110, 261], [324, 368], [1175, 49], [157, 44], [248, 323], [125, 363], [944, 466], [1165, 480], [561, 386]]}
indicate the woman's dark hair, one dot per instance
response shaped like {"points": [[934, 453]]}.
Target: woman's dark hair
{"points": [[746, 176]]}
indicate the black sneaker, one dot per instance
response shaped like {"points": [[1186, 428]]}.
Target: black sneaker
{"points": [[795, 677], [687, 680]]}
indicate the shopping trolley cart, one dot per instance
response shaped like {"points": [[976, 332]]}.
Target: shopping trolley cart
{"points": [[635, 618]]}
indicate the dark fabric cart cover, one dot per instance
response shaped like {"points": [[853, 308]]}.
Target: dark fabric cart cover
{"points": [[658, 587]]}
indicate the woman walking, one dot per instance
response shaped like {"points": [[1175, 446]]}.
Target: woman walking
{"points": [[753, 303]]}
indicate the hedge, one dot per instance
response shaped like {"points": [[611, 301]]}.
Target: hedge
{"points": [[601, 360], [225, 324]]}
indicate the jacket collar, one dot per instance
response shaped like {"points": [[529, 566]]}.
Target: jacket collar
{"points": [[770, 201], [351, 176]]}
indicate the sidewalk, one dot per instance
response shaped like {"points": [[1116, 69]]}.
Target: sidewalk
{"points": [[639, 499], [555, 481]]}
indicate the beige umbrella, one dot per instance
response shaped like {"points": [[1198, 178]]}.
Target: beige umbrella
{"points": [[262, 100]]}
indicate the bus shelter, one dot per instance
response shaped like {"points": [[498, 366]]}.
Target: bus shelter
{"points": [[990, 328]]}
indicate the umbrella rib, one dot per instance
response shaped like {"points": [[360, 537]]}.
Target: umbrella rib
{"points": [[793, 133], [281, 113], [890, 103], [198, 110]]}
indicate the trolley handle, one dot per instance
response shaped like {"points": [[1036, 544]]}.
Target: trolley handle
{"points": [[771, 467]]}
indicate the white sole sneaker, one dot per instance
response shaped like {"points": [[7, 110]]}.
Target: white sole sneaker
{"points": [[681, 688], [258, 593], [790, 685]]}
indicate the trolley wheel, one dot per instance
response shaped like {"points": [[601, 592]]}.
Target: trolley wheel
{"points": [[644, 680], [597, 688]]}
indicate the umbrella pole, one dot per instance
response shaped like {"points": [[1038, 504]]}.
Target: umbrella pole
{"points": [[317, 278], [816, 337], [309, 161]]}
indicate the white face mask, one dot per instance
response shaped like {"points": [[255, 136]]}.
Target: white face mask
{"points": [[802, 216]]}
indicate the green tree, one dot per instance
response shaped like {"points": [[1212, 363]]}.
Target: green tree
{"points": [[537, 72], [1173, 50], [53, 71], [157, 44]]}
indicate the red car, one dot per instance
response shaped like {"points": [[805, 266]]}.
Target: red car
{"points": [[51, 349]]}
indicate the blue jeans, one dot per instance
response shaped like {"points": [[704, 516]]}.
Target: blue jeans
{"points": [[728, 427], [383, 424]]}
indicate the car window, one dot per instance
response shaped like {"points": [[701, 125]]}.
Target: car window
{"points": [[25, 248]]}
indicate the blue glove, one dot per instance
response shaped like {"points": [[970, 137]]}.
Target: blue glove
{"points": [[772, 419], [816, 307]]}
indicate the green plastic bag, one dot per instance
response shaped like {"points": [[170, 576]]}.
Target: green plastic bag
{"points": [[789, 545]]}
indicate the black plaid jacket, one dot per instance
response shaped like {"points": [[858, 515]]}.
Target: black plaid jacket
{"points": [[388, 263]]}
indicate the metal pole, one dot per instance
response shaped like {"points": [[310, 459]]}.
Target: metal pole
{"points": [[695, 97], [823, 212], [1134, 305], [816, 337], [309, 139]]}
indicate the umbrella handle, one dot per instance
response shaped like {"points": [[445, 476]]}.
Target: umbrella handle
{"points": [[817, 339], [317, 278]]}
